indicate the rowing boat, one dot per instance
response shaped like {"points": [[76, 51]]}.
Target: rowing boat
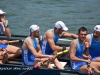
{"points": [[16, 67], [7, 69]]}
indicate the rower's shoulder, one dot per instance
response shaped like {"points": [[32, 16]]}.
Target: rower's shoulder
{"points": [[48, 33], [88, 36], [74, 41], [27, 39]]}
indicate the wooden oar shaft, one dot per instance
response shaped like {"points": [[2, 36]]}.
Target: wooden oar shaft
{"points": [[42, 63], [59, 53], [89, 69], [14, 41], [62, 52]]}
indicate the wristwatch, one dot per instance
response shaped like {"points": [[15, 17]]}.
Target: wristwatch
{"points": [[6, 26]]}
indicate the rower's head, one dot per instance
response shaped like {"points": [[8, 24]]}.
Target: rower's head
{"points": [[34, 30], [82, 33], [2, 13], [96, 32], [60, 27]]}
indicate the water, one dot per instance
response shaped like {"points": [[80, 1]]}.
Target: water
{"points": [[74, 13]]}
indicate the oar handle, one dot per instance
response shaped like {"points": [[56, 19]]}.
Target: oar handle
{"points": [[62, 52], [42, 63], [89, 69], [14, 41]]}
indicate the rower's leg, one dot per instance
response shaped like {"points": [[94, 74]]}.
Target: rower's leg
{"points": [[38, 60], [12, 56], [95, 66], [50, 66], [83, 69], [58, 64], [13, 51], [1, 62], [67, 54], [97, 59], [5, 58], [1, 58]]}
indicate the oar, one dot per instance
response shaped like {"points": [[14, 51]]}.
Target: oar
{"points": [[15, 35], [36, 66], [62, 52], [63, 39], [14, 41], [47, 60], [89, 69]]}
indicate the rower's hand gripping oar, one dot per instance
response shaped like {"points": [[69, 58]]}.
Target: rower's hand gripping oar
{"points": [[4, 52], [48, 60], [89, 69], [89, 72]]}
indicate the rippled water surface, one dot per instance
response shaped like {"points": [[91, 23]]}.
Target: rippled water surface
{"points": [[74, 13]]}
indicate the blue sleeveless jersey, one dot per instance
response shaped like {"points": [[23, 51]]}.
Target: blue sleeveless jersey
{"points": [[46, 49], [79, 52], [94, 49], [0, 28], [28, 57], [2, 45]]}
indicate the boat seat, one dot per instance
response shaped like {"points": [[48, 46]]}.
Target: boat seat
{"points": [[63, 64]]}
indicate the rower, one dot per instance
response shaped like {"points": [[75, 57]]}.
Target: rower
{"points": [[50, 38], [31, 51], [76, 54], [12, 51], [4, 24], [92, 44]]}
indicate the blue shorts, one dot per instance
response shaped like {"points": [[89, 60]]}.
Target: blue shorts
{"points": [[77, 65], [93, 59], [3, 45], [28, 59]]}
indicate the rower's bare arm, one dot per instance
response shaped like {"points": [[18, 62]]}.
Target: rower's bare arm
{"points": [[71, 35], [39, 49], [50, 40], [3, 41], [73, 48], [5, 30], [32, 49], [87, 44], [87, 41]]}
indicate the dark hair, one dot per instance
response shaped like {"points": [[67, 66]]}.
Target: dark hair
{"points": [[81, 29]]}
